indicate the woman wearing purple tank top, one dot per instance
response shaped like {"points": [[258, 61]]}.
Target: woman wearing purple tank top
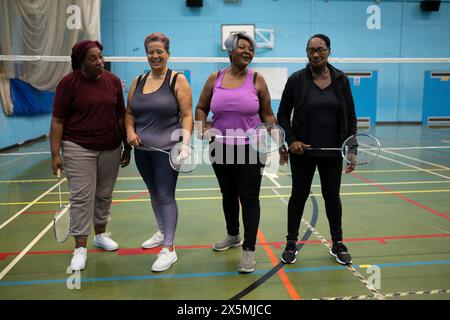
{"points": [[239, 100], [159, 103]]}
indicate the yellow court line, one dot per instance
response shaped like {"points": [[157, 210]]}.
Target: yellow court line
{"points": [[213, 176], [261, 197], [118, 179], [282, 187]]}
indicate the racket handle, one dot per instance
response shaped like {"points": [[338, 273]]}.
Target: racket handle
{"points": [[154, 148], [230, 137], [58, 173]]}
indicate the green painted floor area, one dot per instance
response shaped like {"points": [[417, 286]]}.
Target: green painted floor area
{"points": [[396, 219]]}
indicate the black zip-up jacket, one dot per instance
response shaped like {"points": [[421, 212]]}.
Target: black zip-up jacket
{"points": [[293, 98]]}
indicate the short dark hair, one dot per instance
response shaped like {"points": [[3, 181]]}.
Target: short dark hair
{"points": [[321, 36], [157, 37]]}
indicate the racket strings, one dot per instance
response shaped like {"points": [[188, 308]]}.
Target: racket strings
{"points": [[360, 149], [182, 157], [267, 137], [62, 220]]}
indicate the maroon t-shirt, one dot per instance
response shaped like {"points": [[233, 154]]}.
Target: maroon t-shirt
{"points": [[91, 109]]}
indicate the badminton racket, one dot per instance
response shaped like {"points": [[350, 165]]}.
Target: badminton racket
{"points": [[358, 149], [264, 138], [61, 220], [182, 157]]}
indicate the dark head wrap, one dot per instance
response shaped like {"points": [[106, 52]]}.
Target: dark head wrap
{"points": [[80, 49]]}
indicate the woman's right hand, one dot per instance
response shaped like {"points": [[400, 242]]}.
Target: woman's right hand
{"points": [[57, 164], [298, 147], [133, 139], [284, 156]]}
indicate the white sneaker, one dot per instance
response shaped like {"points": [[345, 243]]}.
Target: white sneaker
{"points": [[155, 241], [78, 262], [166, 258], [104, 241]]}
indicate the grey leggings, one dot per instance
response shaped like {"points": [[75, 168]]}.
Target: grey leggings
{"points": [[161, 181]]}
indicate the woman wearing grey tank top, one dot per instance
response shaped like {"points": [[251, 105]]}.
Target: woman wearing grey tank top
{"points": [[159, 103]]}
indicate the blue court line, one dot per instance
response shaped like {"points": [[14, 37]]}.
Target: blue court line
{"points": [[217, 274]]}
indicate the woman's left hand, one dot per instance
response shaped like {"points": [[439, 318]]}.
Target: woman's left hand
{"points": [[125, 159]]}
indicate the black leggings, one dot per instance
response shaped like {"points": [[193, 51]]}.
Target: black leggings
{"points": [[239, 183], [330, 172]]}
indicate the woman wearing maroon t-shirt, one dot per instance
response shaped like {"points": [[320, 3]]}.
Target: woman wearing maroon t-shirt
{"points": [[87, 124]]}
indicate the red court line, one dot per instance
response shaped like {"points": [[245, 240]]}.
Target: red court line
{"points": [[275, 261], [399, 195], [278, 244], [4, 255], [133, 197], [40, 212], [139, 251]]}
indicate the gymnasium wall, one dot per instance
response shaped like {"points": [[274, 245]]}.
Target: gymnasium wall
{"points": [[19, 129], [404, 31]]}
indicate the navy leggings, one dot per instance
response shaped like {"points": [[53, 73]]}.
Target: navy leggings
{"points": [[330, 172], [161, 181]]}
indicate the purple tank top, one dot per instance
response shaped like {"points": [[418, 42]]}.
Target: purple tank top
{"points": [[235, 111]]}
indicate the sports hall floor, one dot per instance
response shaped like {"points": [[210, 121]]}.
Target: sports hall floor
{"points": [[396, 226]]}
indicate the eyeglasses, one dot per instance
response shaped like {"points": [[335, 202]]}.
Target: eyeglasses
{"points": [[321, 51]]}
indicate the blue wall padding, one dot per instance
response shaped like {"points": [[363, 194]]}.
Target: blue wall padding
{"points": [[28, 100]]}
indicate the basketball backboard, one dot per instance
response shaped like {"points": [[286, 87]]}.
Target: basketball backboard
{"points": [[229, 29]]}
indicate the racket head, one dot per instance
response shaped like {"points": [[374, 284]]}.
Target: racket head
{"points": [[183, 158], [360, 149], [61, 224], [266, 137]]}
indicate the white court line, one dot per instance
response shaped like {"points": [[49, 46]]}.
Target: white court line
{"points": [[411, 166], [35, 240], [10, 161], [42, 233], [25, 251], [413, 148], [4, 224], [356, 273], [388, 295], [268, 176], [24, 153], [415, 159]]}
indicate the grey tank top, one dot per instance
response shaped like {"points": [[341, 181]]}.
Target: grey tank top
{"points": [[156, 115]]}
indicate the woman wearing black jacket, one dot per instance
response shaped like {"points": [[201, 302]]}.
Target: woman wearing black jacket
{"points": [[323, 116]]}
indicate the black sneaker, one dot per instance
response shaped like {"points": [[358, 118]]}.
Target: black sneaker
{"points": [[339, 251], [290, 252]]}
